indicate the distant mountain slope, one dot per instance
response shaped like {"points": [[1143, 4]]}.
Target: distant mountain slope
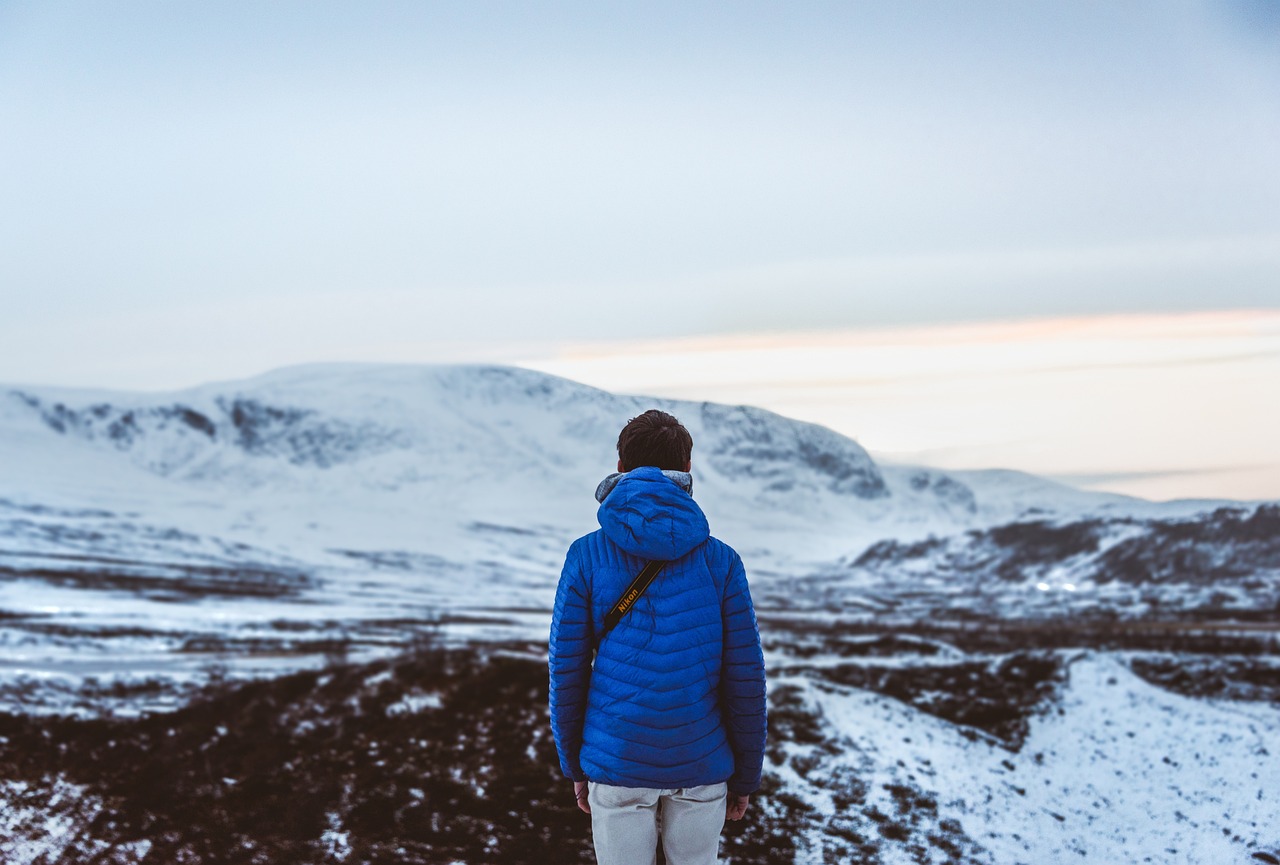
{"points": [[1220, 566], [441, 442]]}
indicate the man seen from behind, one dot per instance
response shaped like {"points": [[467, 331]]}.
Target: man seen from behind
{"points": [[657, 689]]}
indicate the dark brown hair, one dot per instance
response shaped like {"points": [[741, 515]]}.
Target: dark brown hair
{"points": [[654, 438]]}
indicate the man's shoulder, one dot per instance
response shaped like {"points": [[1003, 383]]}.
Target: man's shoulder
{"points": [[719, 550], [587, 539], [584, 546], [721, 561]]}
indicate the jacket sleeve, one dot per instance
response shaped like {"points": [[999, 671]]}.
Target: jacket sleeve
{"points": [[742, 687], [569, 662]]}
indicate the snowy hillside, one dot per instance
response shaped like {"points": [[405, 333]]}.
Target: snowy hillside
{"points": [[1221, 566], [272, 519], [314, 459], [309, 459]]}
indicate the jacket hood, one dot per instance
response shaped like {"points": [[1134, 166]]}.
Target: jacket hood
{"points": [[650, 513]]}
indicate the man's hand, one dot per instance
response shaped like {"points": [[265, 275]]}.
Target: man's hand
{"points": [[580, 793], [737, 806]]}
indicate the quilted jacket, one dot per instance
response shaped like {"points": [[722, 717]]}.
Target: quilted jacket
{"points": [[676, 694]]}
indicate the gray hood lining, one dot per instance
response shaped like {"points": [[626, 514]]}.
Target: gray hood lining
{"points": [[683, 479]]}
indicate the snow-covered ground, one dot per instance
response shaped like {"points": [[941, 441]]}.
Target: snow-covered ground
{"points": [[150, 542], [1112, 770]]}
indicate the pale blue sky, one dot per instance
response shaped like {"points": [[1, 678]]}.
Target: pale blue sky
{"points": [[199, 191]]}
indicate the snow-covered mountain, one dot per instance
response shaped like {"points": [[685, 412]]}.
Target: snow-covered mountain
{"points": [[316, 450], [327, 503], [324, 457]]}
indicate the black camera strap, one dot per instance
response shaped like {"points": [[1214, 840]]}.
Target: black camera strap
{"points": [[629, 598]]}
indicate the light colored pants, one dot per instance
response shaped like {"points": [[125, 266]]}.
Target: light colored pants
{"points": [[625, 823]]}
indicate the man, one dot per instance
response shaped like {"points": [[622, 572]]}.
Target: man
{"points": [[663, 732]]}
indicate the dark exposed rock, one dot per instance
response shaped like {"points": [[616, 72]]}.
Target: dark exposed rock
{"points": [[1033, 545], [121, 426], [750, 442], [1239, 678], [997, 696], [441, 756], [167, 582], [257, 424], [946, 489], [1230, 544]]}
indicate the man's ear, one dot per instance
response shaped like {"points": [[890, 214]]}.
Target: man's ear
{"points": [[620, 468], [688, 465]]}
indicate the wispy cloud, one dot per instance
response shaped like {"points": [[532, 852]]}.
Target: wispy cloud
{"points": [[1158, 405]]}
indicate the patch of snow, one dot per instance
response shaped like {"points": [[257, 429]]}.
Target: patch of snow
{"points": [[414, 702], [336, 841]]}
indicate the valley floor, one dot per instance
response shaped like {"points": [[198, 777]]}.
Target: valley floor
{"points": [[892, 747]]}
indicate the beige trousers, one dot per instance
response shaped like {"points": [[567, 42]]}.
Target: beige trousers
{"points": [[627, 822]]}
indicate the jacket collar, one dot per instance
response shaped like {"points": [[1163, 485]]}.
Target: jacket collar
{"points": [[684, 480]]}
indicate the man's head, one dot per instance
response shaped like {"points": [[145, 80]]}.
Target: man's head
{"points": [[654, 438]]}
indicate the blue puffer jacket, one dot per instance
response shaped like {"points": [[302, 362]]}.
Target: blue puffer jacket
{"points": [[677, 694]]}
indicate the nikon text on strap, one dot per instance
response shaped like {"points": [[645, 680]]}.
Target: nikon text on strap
{"points": [[629, 598]]}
